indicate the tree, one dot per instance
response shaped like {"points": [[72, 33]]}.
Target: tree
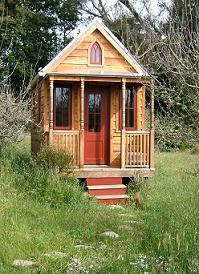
{"points": [[169, 49], [31, 33]]}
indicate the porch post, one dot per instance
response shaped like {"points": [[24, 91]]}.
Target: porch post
{"points": [[81, 160], [123, 124], [152, 134], [51, 113]]}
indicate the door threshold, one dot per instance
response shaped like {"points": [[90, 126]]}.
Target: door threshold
{"points": [[91, 166]]}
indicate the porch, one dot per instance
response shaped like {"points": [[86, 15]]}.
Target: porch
{"points": [[135, 148], [137, 153]]}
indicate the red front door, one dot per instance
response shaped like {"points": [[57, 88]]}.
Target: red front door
{"points": [[96, 126]]}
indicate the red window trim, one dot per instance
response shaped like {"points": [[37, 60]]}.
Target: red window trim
{"points": [[100, 60], [69, 109], [135, 111]]}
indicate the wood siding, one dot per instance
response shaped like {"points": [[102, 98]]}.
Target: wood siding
{"points": [[115, 125], [68, 141], [79, 59], [40, 130]]}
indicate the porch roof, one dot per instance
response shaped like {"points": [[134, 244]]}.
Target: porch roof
{"points": [[98, 73]]}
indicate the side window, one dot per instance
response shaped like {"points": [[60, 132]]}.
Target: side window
{"points": [[130, 108], [62, 107], [96, 54]]}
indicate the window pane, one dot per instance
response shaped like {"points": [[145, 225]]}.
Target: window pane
{"points": [[129, 118], [91, 122], [91, 103], [97, 55], [129, 98], [129, 107], [58, 118], [65, 115], [65, 106], [58, 97], [58, 106], [93, 55], [97, 123], [62, 97], [98, 103]]}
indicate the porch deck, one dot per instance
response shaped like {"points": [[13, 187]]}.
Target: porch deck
{"points": [[112, 172], [136, 153]]}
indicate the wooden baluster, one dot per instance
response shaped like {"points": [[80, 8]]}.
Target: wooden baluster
{"points": [[138, 150], [127, 153], [77, 150], [141, 149], [148, 148], [130, 149], [144, 149]]}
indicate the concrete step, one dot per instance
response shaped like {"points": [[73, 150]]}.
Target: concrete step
{"points": [[103, 181], [112, 199], [107, 190]]}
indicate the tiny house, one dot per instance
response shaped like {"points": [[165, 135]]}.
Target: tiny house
{"points": [[90, 100]]}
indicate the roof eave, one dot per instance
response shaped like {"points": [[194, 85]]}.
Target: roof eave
{"points": [[98, 75]]}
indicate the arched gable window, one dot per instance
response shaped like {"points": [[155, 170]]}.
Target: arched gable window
{"points": [[96, 54]]}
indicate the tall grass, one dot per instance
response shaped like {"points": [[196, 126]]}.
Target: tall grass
{"points": [[42, 212]]}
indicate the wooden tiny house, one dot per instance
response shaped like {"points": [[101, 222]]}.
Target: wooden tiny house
{"points": [[90, 100]]}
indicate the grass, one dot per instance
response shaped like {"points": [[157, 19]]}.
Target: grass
{"points": [[40, 212]]}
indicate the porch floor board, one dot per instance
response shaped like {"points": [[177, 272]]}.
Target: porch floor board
{"points": [[100, 172]]}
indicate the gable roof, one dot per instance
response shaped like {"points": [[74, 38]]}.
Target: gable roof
{"points": [[96, 24]]}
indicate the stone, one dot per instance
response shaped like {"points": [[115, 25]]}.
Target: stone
{"points": [[116, 207], [75, 266], [24, 263], [55, 254], [126, 227], [83, 246], [110, 234]]}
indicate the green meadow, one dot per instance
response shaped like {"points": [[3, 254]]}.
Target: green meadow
{"points": [[42, 212]]}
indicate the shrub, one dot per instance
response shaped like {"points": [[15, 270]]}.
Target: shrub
{"points": [[29, 178], [14, 114], [55, 159], [172, 133]]}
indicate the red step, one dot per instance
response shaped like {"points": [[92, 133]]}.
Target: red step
{"points": [[103, 181], [107, 190], [112, 199]]}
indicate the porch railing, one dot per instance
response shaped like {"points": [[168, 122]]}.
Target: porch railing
{"points": [[137, 149], [68, 140]]}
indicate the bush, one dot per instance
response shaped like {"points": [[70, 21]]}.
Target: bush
{"points": [[29, 178], [14, 114], [55, 159], [171, 133]]}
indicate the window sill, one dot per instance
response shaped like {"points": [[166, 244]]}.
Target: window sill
{"points": [[62, 128], [95, 65]]}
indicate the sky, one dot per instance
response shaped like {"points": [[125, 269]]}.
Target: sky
{"points": [[110, 3]]}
